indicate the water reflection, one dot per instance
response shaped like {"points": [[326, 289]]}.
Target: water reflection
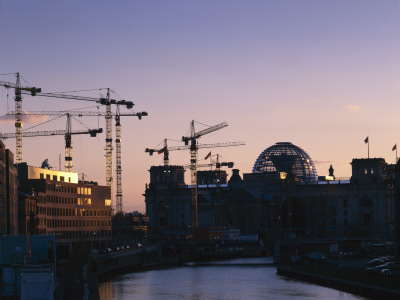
{"points": [[234, 279], [106, 290]]}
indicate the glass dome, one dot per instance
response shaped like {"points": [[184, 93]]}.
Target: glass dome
{"points": [[287, 158]]}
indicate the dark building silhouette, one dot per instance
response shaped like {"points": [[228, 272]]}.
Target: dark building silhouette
{"points": [[8, 193], [283, 197], [129, 228]]}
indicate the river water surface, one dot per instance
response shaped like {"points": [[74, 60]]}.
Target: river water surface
{"points": [[249, 278]]}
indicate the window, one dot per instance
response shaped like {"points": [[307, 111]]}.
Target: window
{"points": [[41, 176], [48, 176], [179, 177], [55, 177], [162, 221], [367, 219], [61, 178], [366, 202]]}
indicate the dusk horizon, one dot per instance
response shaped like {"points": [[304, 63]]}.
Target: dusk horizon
{"points": [[323, 75]]}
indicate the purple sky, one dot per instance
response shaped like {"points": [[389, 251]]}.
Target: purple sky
{"points": [[320, 74]]}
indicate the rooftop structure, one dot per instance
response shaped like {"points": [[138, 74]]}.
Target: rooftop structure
{"points": [[286, 158], [31, 172]]}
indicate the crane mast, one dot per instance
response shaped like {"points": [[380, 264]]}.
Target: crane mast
{"points": [[193, 146], [18, 122], [117, 115], [108, 118], [165, 150], [19, 90], [68, 146], [109, 178], [118, 200], [192, 138], [18, 112]]}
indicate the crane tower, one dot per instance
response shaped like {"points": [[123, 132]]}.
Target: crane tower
{"points": [[118, 114], [107, 101], [118, 196], [18, 111], [192, 144]]}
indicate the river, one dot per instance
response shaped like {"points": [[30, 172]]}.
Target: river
{"points": [[248, 278]]}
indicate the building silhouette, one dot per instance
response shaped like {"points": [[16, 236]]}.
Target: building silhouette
{"points": [[282, 198], [8, 193]]}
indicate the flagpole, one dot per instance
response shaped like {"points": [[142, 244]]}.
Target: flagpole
{"points": [[368, 146], [395, 148]]}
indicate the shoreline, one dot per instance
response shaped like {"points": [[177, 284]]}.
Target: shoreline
{"points": [[315, 274]]}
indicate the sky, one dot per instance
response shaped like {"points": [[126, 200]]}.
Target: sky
{"points": [[322, 74]]}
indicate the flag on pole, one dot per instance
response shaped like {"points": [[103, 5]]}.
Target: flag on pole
{"points": [[394, 147], [208, 155], [366, 140]]}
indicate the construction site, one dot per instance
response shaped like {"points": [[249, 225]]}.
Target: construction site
{"points": [[59, 208]]}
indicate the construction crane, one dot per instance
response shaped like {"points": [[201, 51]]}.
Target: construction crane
{"points": [[118, 167], [193, 147], [18, 109], [119, 201], [165, 150], [192, 138], [118, 157], [92, 132], [68, 142], [79, 113], [67, 134], [107, 101], [216, 163]]}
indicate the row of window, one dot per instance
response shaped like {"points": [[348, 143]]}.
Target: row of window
{"points": [[80, 234], [69, 189], [366, 171], [51, 223], [55, 177], [366, 219], [68, 200], [75, 212]]}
